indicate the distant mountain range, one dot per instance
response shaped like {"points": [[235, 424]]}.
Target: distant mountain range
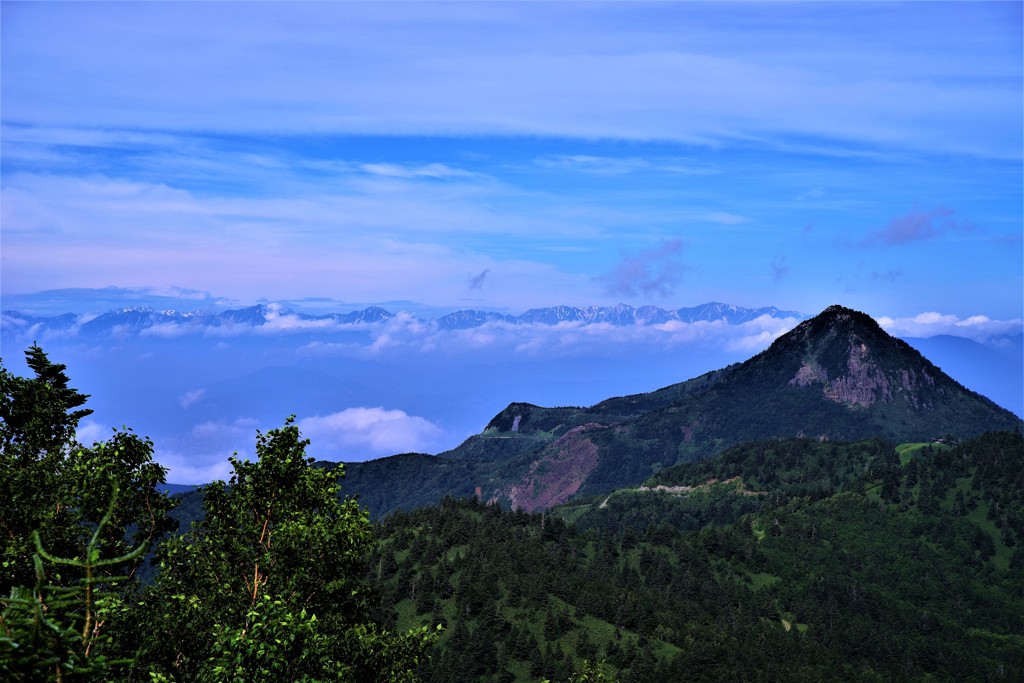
{"points": [[621, 314], [136, 319], [837, 376]]}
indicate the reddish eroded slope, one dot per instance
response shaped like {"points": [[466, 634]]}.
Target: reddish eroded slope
{"points": [[558, 473]]}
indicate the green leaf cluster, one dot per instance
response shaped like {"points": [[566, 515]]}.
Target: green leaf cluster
{"points": [[268, 584]]}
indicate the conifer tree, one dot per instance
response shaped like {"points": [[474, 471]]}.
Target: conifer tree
{"points": [[53, 486], [55, 631]]}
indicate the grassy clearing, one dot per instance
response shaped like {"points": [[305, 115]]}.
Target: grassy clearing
{"points": [[457, 552], [599, 631], [406, 616], [572, 513], [758, 581], [906, 451], [979, 516]]}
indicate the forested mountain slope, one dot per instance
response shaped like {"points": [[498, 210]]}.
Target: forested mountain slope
{"points": [[876, 565]]}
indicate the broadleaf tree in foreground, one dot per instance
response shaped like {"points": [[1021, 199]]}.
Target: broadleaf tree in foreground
{"points": [[267, 586]]}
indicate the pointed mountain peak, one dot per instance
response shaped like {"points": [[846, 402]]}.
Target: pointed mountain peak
{"points": [[841, 314], [834, 325], [838, 309]]}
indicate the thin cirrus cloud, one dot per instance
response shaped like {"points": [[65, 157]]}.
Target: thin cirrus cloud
{"points": [[602, 165], [338, 150], [335, 67], [228, 244], [435, 170]]}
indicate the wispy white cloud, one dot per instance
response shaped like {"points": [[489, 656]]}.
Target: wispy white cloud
{"points": [[332, 149], [435, 171], [811, 195], [192, 468], [217, 431], [724, 218], [367, 243], [405, 336], [90, 431], [605, 165], [352, 68], [190, 398]]}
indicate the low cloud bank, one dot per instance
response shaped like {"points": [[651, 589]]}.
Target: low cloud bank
{"points": [[980, 328], [360, 334], [371, 432], [359, 433], [405, 334]]}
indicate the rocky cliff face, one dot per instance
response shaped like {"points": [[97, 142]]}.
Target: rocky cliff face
{"points": [[856, 363], [864, 382]]}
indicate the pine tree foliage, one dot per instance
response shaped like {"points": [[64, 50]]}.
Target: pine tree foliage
{"points": [[60, 489], [56, 630]]}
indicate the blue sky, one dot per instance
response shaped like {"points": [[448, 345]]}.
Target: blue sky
{"points": [[507, 156], [499, 156]]}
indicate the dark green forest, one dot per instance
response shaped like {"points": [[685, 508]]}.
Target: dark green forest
{"points": [[773, 560], [862, 568]]}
